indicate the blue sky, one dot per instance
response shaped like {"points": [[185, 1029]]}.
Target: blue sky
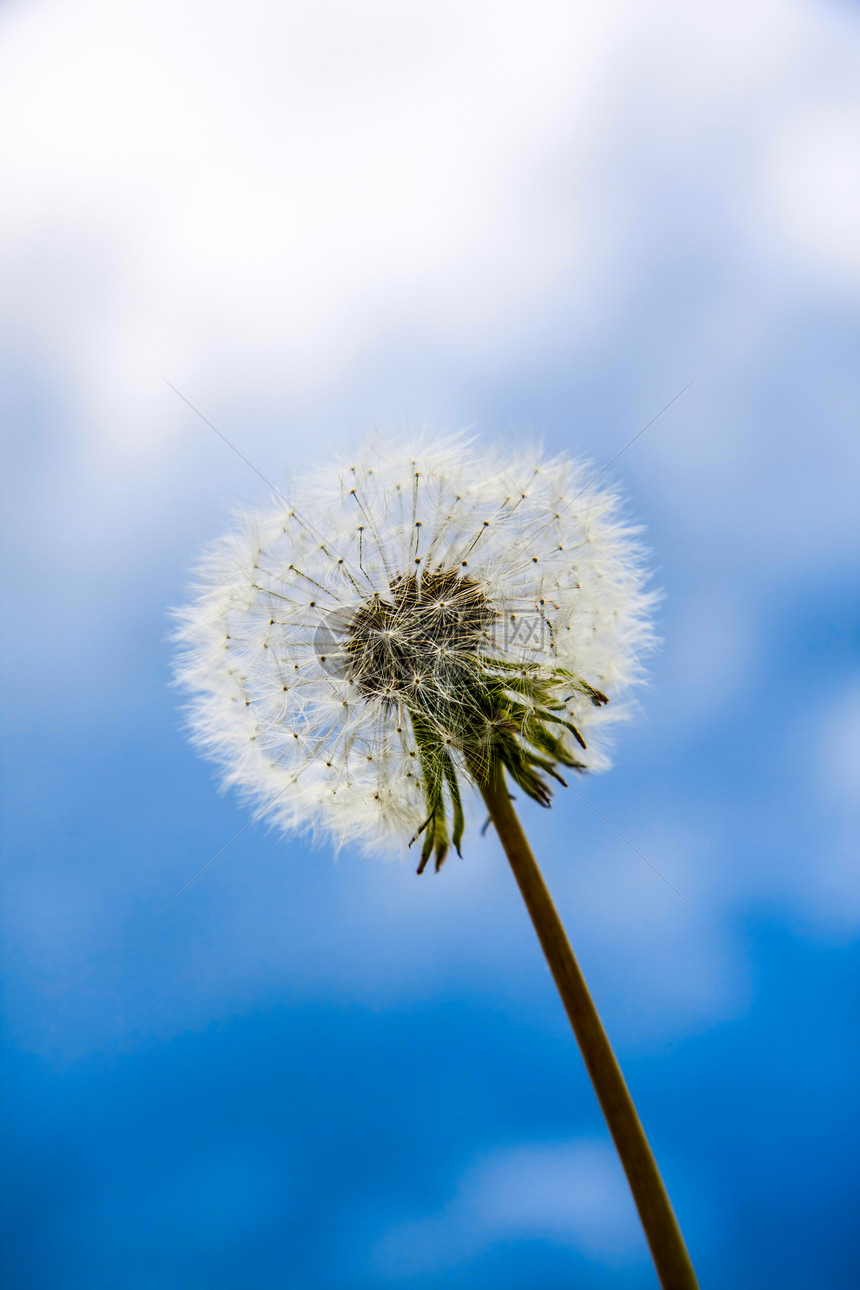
{"points": [[542, 220]]}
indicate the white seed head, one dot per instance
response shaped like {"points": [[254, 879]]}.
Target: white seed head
{"points": [[405, 618]]}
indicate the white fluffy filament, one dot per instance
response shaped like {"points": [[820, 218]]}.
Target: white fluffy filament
{"points": [[283, 648]]}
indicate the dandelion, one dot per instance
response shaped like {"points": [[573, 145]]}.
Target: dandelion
{"points": [[410, 633], [409, 618]]}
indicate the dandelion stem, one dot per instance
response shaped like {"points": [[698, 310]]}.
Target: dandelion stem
{"points": [[668, 1251]]}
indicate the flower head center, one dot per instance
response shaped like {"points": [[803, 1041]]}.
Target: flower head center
{"points": [[429, 629]]}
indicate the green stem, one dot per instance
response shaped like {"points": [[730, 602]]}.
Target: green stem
{"points": [[661, 1227]]}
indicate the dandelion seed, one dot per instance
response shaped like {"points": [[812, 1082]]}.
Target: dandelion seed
{"points": [[509, 653]]}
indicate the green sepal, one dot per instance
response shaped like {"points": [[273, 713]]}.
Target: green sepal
{"points": [[508, 714], [459, 822]]}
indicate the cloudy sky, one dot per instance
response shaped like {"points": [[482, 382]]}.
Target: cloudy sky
{"points": [[540, 220]]}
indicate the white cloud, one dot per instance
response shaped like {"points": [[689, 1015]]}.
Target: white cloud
{"points": [[828, 888], [839, 749], [814, 186], [569, 1192], [279, 188], [249, 201]]}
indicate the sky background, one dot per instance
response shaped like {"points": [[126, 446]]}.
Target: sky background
{"points": [[321, 1072]]}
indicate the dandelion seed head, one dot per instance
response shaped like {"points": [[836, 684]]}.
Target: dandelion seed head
{"points": [[352, 656]]}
